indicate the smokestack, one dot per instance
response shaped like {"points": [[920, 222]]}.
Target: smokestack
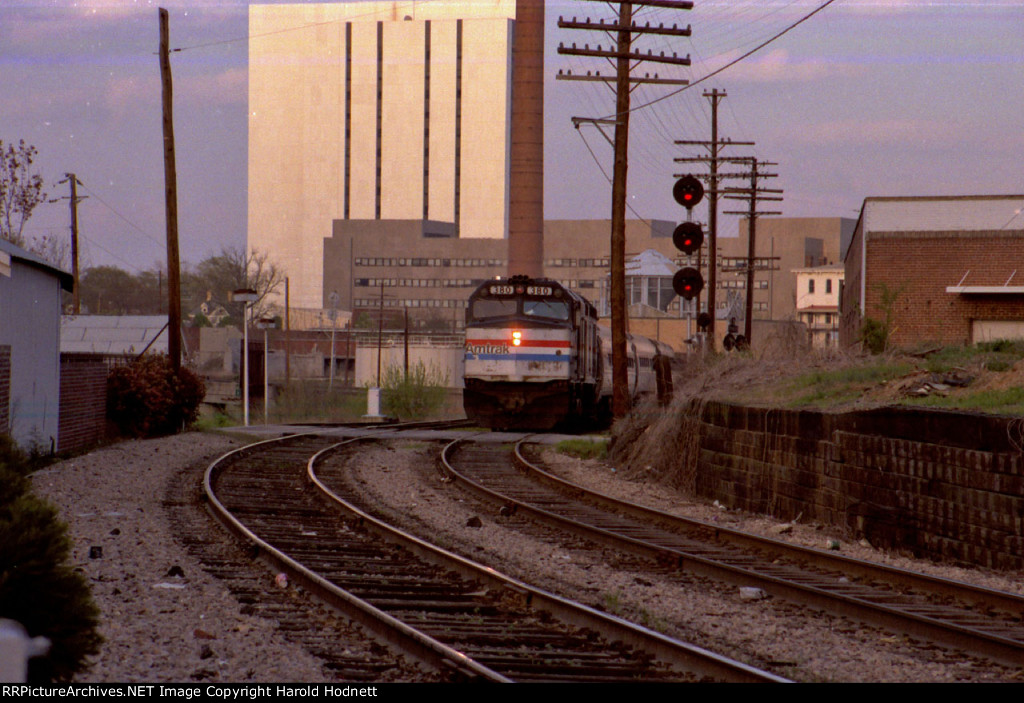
{"points": [[526, 186]]}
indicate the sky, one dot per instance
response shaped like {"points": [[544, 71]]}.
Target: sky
{"points": [[866, 98]]}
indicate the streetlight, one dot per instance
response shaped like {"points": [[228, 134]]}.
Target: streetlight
{"points": [[247, 296], [265, 323]]}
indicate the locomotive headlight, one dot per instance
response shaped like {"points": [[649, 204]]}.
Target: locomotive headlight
{"points": [[517, 338]]}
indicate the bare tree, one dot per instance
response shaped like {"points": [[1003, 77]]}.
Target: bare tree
{"points": [[20, 189], [232, 269]]}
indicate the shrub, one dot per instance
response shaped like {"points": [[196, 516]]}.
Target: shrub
{"points": [[415, 396], [147, 398], [38, 588]]}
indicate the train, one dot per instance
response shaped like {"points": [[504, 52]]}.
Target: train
{"points": [[536, 358]]}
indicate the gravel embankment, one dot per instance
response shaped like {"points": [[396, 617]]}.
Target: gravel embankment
{"points": [[165, 627], [159, 626]]}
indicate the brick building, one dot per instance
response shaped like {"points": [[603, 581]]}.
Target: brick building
{"points": [[947, 269]]}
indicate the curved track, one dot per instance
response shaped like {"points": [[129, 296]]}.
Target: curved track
{"points": [[457, 616], [950, 613]]}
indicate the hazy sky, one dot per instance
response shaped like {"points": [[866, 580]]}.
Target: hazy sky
{"points": [[866, 98]]}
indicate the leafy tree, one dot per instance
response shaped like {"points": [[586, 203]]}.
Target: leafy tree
{"points": [[108, 290], [20, 189]]}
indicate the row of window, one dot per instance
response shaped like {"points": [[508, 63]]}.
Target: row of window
{"points": [[418, 282], [423, 261], [592, 263], [828, 285], [409, 303]]}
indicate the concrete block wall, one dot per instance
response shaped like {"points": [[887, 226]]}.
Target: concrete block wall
{"points": [[940, 485], [83, 403]]}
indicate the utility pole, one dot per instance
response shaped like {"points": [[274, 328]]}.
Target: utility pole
{"points": [[752, 195], [714, 148], [171, 200], [624, 58], [73, 199]]}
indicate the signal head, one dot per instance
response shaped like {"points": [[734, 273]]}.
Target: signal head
{"points": [[688, 237], [687, 283], [688, 191]]}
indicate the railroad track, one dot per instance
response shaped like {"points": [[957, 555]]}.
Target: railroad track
{"points": [[464, 619], [953, 614]]}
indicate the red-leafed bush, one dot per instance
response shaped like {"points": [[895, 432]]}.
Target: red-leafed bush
{"points": [[148, 399]]}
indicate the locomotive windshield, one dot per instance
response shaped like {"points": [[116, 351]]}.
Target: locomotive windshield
{"points": [[494, 307], [552, 309]]}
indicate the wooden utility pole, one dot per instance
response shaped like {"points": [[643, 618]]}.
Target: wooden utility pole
{"points": [[753, 194], [73, 199], [171, 200], [713, 159], [625, 58]]}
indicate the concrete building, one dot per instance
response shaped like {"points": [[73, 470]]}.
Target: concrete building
{"points": [[30, 369], [375, 111], [817, 303], [940, 269]]}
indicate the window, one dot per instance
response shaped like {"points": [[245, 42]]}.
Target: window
{"points": [[546, 308], [493, 308], [810, 285], [828, 285]]}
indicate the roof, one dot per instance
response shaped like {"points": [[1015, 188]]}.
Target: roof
{"points": [[965, 213], [29, 258], [651, 263], [113, 334]]}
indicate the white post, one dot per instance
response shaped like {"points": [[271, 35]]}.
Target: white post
{"points": [[246, 296], [245, 362], [266, 379]]}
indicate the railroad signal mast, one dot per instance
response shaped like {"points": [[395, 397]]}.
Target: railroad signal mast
{"points": [[713, 158], [624, 57]]}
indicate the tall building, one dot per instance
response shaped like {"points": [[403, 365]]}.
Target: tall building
{"points": [[375, 111]]}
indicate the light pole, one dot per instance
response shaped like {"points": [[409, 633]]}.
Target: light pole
{"points": [[246, 296], [265, 323]]}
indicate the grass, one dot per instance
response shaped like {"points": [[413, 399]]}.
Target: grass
{"points": [[1005, 401], [991, 370], [583, 448], [840, 386]]}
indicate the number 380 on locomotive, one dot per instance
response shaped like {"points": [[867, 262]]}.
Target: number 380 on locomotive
{"points": [[536, 358]]}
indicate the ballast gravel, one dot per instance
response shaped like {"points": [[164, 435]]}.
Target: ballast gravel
{"points": [[164, 619]]}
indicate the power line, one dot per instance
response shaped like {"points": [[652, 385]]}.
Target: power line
{"points": [[731, 63]]}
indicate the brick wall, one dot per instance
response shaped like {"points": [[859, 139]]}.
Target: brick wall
{"points": [[922, 264], [83, 402], [938, 484], [5, 388]]}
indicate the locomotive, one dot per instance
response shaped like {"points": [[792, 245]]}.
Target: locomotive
{"points": [[536, 358]]}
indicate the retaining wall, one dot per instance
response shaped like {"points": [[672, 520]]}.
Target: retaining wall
{"points": [[941, 485]]}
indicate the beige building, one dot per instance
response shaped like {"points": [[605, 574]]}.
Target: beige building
{"points": [[817, 302], [375, 111]]}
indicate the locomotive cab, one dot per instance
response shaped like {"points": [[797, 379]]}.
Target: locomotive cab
{"points": [[530, 359]]}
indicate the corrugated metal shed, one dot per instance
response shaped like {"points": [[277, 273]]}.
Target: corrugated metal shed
{"points": [[112, 334]]}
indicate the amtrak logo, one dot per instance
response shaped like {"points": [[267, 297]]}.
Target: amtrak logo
{"points": [[477, 349]]}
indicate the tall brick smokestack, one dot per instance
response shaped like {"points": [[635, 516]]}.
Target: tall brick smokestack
{"points": [[526, 186]]}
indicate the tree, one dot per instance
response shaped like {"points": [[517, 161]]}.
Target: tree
{"points": [[232, 270], [20, 189]]}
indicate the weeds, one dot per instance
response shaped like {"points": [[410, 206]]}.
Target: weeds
{"points": [[583, 448]]}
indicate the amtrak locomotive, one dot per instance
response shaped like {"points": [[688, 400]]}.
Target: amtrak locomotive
{"points": [[536, 358]]}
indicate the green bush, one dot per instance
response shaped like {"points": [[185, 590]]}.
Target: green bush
{"points": [[415, 396], [38, 588], [148, 399]]}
